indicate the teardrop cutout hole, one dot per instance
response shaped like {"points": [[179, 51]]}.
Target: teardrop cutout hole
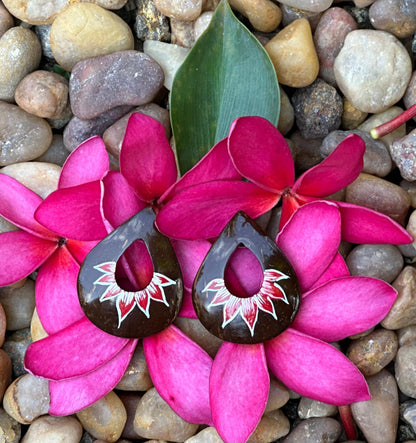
{"points": [[243, 274], [134, 269]]}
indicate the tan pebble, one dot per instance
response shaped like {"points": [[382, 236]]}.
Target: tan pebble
{"points": [[18, 315], [187, 10], [264, 15], [37, 331], [48, 429], [207, 435], [84, 30], [6, 19], [272, 426], [351, 116], [2, 325], [182, 33], [278, 395], [293, 54], [105, 418], [406, 335], [5, 372], [10, 429], [287, 113]]}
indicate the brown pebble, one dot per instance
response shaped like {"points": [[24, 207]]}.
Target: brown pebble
{"points": [[264, 15], [272, 426]]}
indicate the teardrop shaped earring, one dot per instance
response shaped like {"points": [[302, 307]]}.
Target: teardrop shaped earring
{"points": [[257, 318], [124, 313]]}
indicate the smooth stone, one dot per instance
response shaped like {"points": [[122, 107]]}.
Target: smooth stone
{"points": [[20, 53], [10, 429], [77, 130], [373, 352], [155, 419], [105, 418], [309, 408], [372, 69], [309, 5], [27, 398], [202, 23], [42, 178], [405, 369], [43, 93], [113, 136], [264, 15], [168, 56], [182, 33], [6, 19], [15, 345], [5, 372], [136, 377], [272, 426], [150, 23], [2, 324], [187, 10], [37, 331], [379, 261], [56, 153], [23, 136], [278, 395], [363, 3], [329, 36], [409, 97], [380, 195], [287, 113], [293, 54], [290, 14], [18, 305], [404, 156], [122, 78], [351, 117], [397, 17], [406, 335], [403, 311], [378, 417], [84, 30], [408, 413], [411, 228], [306, 152], [130, 401], [48, 429], [207, 435], [42, 32], [315, 429], [410, 188], [318, 109]]}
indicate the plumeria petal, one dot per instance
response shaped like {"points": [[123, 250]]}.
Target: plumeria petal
{"points": [[202, 211], [21, 254], [239, 388], [366, 226], [315, 369], [18, 205], [73, 394], [87, 163], [57, 301], [74, 212], [147, 160], [338, 268], [310, 240], [344, 307], [80, 249], [334, 173], [260, 153], [76, 350], [180, 370], [120, 202]]}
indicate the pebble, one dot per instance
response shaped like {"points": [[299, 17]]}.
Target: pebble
{"points": [[10, 429], [186, 10], [42, 178], [293, 54], [48, 429], [84, 30], [379, 261], [42, 32], [150, 23], [37, 331], [18, 315], [307, 152], [403, 154], [77, 130], [406, 335], [264, 15], [278, 395], [113, 136], [35, 12], [6, 19], [395, 16], [378, 418], [56, 153], [405, 369], [156, 419], [363, 3], [130, 401], [20, 53], [207, 435], [122, 78], [380, 195], [377, 160], [410, 188], [290, 14], [373, 352], [182, 33], [409, 97], [403, 311], [351, 116], [44, 94], [408, 413], [309, 408], [15, 345], [308, 5], [2, 325], [314, 430], [272, 426], [372, 69], [136, 377], [202, 23], [318, 109], [287, 113], [5, 372], [105, 418], [23, 136], [27, 398], [329, 37]]}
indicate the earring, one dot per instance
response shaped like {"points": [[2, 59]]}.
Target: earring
{"points": [[257, 318], [125, 313]]}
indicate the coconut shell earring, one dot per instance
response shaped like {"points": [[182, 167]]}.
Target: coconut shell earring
{"points": [[131, 313], [259, 317]]}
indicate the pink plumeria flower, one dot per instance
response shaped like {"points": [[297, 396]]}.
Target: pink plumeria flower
{"points": [[262, 157], [333, 306]]}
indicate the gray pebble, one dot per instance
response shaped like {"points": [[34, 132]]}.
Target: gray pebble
{"points": [[18, 305], [309, 408], [403, 154], [15, 345], [405, 369], [408, 413], [42, 32], [56, 153], [316, 429]]}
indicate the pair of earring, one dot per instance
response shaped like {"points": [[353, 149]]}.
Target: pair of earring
{"points": [[140, 313]]}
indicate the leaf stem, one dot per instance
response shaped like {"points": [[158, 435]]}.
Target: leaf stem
{"points": [[347, 421], [393, 124]]}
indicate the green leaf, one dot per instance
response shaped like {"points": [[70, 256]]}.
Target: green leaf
{"points": [[227, 74]]}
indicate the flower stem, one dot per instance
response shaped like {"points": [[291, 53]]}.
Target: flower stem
{"points": [[347, 421], [393, 124]]}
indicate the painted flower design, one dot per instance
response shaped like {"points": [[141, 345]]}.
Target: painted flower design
{"points": [[248, 307]]}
